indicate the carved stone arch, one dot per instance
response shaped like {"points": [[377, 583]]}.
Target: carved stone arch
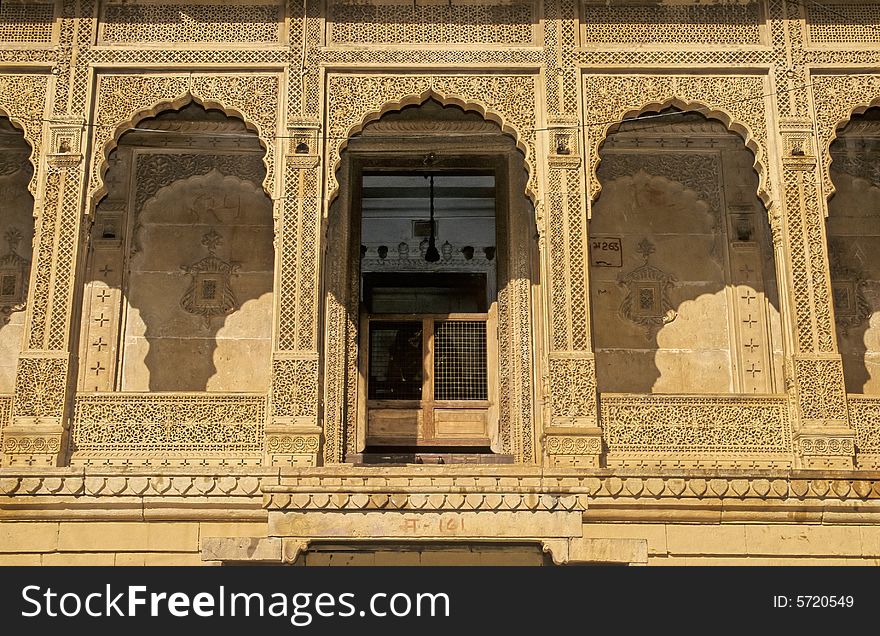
{"points": [[125, 100], [735, 101], [354, 101], [22, 102], [837, 99]]}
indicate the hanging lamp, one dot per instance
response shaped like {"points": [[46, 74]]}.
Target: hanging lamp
{"points": [[432, 255]]}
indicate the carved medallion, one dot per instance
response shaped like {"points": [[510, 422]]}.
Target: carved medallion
{"points": [[210, 291], [851, 306], [647, 300], [14, 271]]}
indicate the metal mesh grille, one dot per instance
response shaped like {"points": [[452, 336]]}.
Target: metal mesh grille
{"points": [[395, 361], [460, 360]]}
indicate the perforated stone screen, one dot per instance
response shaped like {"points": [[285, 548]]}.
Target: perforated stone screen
{"points": [[26, 21], [649, 22], [191, 23]]}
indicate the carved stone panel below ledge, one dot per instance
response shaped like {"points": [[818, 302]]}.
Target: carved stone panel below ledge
{"points": [[711, 431], [168, 429]]}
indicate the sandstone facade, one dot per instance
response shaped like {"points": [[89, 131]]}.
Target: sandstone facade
{"points": [[649, 334]]}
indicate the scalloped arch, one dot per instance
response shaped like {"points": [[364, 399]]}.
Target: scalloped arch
{"points": [[156, 109], [33, 156], [702, 108], [838, 126], [446, 99]]}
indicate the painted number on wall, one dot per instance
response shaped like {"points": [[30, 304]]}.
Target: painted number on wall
{"points": [[605, 251]]}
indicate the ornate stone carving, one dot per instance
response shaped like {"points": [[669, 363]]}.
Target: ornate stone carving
{"points": [[685, 24], [210, 292], [355, 100], [65, 142], [5, 410], [14, 275], [295, 390], [146, 429], [837, 98], [842, 22], [647, 301], [732, 99], [572, 390], [851, 306], [707, 431], [258, 22], [864, 415], [40, 388], [432, 22], [22, 97], [27, 22], [820, 388], [125, 99], [823, 445]]}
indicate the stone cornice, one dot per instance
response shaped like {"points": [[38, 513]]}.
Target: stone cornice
{"points": [[358, 488]]}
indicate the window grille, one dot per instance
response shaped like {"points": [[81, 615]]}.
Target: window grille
{"points": [[460, 360]]}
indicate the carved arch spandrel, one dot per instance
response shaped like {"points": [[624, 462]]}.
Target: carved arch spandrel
{"points": [[125, 100], [23, 102], [837, 99], [736, 101], [356, 100]]}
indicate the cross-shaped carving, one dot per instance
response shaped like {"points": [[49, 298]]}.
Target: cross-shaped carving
{"points": [[30, 460], [103, 295], [749, 321], [99, 344], [753, 370], [101, 320], [751, 345], [749, 297], [747, 271], [98, 368], [106, 270]]}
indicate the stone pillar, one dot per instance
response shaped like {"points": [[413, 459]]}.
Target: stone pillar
{"points": [[571, 436], [36, 435], [823, 437], [293, 432]]}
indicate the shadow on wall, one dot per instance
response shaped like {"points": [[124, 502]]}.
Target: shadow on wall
{"points": [[683, 281], [16, 246], [853, 230], [198, 256]]}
